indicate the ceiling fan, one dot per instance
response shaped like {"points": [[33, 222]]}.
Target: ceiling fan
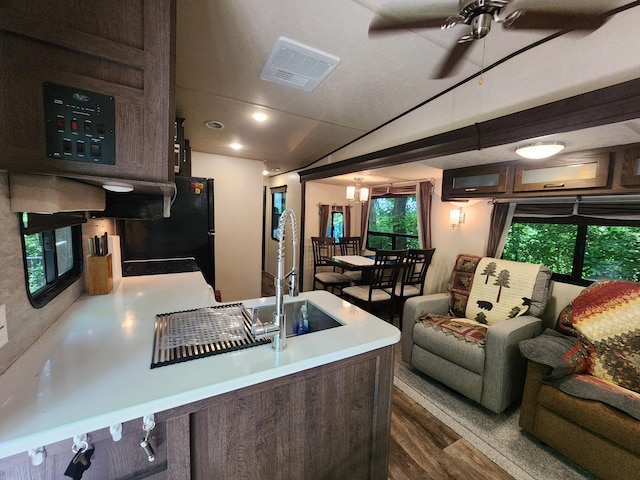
{"points": [[479, 15]]}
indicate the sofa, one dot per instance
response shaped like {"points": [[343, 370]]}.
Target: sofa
{"points": [[467, 338], [582, 390]]}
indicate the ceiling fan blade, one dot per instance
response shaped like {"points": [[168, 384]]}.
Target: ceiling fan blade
{"points": [[538, 20], [382, 24], [451, 62]]}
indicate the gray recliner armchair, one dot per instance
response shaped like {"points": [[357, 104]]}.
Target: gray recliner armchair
{"points": [[467, 338]]}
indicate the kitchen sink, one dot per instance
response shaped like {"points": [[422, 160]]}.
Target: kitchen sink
{"points": [[191, 334], [317, 319]]}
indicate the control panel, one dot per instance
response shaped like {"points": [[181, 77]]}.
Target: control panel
{"points": [[80, 125]]}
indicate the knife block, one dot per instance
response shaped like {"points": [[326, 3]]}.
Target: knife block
{"points": [[99, 275]]}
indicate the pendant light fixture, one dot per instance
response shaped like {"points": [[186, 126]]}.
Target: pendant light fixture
{"points": [[356, 193]]}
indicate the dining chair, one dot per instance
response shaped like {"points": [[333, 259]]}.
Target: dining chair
{"points": [[351, 246], [324, 273], [411, 277], [384, 276]]}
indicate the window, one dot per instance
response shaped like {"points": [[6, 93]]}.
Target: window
{"points": [[393, 223], [52, 251], [278, 205], [335, 228], [577, 249]]}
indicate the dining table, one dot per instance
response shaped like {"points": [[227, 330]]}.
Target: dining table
{"points": [[363, 263]]}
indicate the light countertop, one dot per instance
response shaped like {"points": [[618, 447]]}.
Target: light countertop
{"points": [[91, 369]]}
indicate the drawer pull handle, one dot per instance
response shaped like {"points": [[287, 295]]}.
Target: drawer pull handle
{"points": [[470, 189], [554, 185]]}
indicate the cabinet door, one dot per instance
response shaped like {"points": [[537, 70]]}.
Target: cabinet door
{"points": [[119, 49], [474, 181], [631, 168], [586, 171]]}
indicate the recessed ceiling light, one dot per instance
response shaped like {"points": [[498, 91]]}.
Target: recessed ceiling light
{"points": [[214, 124], [236, 146], [259, 116]]}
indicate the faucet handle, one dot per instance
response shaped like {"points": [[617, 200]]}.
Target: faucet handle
{"points": [[293, 283]]}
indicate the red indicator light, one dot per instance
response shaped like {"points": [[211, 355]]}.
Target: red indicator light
{"points": [[74, 125], [60, 123], [193, 184]]}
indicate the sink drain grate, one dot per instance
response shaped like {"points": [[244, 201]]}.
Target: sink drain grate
{"points": [[190, 334]]}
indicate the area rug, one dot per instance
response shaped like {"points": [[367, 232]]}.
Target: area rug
{"points": [[498, 437]]}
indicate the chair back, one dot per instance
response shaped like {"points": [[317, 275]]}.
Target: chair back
{"points": [[415, 268], [323, 249], [350, 245], [386, 268]]}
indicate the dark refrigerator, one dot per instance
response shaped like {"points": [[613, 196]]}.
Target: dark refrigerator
{"points": [[182, 242]]}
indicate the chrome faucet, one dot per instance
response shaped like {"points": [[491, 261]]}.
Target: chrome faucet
{"points": [[278, 327]]}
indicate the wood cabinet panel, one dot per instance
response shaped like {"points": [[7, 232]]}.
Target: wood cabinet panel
{"points": [[563, 173], [124, 50], [475, 181], [118, 20], [630, 168], [328, 422], [331, 421]]}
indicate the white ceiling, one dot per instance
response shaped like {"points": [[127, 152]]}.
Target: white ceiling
{"points": [[223, 44]]}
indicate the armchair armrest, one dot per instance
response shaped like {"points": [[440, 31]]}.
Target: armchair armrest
{"points": [[504, 370], [436, 303]]}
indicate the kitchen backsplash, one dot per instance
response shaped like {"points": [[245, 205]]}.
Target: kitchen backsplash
{"points": [[26, 324]]}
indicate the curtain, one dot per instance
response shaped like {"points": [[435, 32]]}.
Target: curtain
{"points": [[501, 217], [603, 207], [621, 211], [364, 223], [324, 213], [423, 200], [347, 221]]}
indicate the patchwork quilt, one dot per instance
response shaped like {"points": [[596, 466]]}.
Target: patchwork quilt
{"points": [[571, 361], [606, 316], [483, 291], [460, 328], [461, 282]]}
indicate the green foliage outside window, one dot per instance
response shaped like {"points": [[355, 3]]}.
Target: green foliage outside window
{"points": [[335, 228], [549, 244], [35, 261], [393, 223], [610, 251]]}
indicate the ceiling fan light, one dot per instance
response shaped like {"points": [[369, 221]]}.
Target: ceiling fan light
{"points": [[539, 150]]}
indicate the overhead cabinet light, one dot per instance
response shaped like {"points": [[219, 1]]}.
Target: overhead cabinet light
{"points": [[539, 150], [296, 65]]}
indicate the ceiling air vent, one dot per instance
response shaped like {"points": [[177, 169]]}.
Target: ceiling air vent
{"points": [[299, 66]]}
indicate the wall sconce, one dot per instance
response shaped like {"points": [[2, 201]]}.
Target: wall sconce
{"points": [[456, 217], [356, 193]]}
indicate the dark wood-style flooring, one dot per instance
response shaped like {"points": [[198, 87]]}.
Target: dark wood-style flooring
{"points": [[422, 447]]}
